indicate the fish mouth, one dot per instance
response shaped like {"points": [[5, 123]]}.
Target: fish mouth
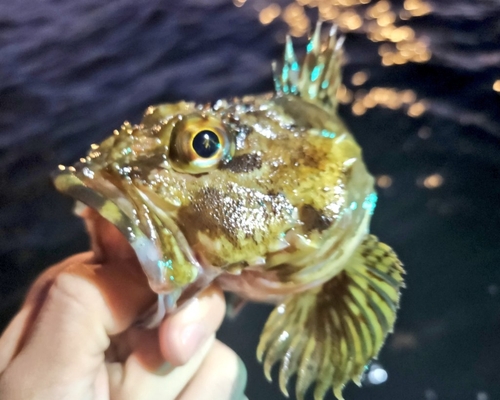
{"points": [[147, 222]]}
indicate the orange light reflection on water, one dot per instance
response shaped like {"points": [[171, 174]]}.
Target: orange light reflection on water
{"points": [[381, 21]]}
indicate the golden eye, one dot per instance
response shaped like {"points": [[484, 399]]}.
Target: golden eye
{"points": [[198, 144]]}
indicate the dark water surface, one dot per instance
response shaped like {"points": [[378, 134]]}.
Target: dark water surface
{"points": [[72, 71]]}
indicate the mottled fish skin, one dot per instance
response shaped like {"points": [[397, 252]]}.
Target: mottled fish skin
{"points": [[287, 180], [281, 216]]}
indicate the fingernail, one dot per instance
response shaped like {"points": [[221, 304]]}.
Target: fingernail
{"points": [[164, 369], [193, 336]]}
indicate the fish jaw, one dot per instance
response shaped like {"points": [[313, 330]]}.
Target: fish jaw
{"points": [[168, 262]]}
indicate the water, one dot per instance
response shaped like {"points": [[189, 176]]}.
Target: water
{"points": [[71, 72]]}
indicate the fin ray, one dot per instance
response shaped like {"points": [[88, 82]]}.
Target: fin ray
{"points": [[307, 371], [290, 362], [318, 77], [328, 334]]}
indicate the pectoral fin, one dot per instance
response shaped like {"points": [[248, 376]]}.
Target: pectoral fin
{"points": [[328, 334]]}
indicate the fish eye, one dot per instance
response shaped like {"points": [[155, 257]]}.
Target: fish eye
{"points": [[199, 143], [206, 143]]}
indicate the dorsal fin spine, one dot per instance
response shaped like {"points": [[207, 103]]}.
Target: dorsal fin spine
{"points": [[318, 77], [290, 67]]}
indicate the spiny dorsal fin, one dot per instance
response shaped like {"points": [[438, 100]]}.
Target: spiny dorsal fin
{"points": [[318, 78], [326, 335]]}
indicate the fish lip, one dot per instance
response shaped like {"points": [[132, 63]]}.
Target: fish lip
{"points": [[96, 192]]}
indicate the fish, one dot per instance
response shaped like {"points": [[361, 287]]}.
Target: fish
{"points": [[269, 197]]}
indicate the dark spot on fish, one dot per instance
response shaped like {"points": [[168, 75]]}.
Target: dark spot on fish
{"points": [[313, 219], [209, 214], [285, 271], [225, 212], [310, 156], [244, 163]]}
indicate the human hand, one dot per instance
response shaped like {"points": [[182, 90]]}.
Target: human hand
{"points": [[74, 337]]}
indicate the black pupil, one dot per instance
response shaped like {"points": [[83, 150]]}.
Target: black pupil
{"points": [[206, 144]]}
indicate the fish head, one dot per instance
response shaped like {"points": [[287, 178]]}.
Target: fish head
{"points": [[272, 183], [199, 190]]}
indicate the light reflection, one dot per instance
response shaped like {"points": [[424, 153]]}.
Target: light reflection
{"points": [[381, 21], [385, 97], [408, 96], [359, 78], [377, 21], [493, 290], [386, 19], [496, 86], [239, 3], [416, 109], [328, 12], [378, 9], [376, 374], [417, 8], [430, 394], [384, 181], [404, 341], [296, 18], [269, 14], [482, 396], [433, 181], [358, 108], [344, 95], [349, 20], [424, 132], [404, 15]]}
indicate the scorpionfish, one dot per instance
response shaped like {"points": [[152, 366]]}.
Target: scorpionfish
{"points": [[269, 197]]}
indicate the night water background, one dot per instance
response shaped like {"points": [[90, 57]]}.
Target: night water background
{"points": [[72, 71]]}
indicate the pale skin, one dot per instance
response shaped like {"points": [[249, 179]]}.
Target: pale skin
{"points": [[76, 336]]}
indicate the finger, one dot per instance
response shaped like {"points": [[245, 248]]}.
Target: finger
{"points": [[83, 304], [65, 343], [122, 270], [132, 381], [205, 313], [106, 241], [11, 337], [182, 334], [14, 335], [120, 277], [222, 376]]}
